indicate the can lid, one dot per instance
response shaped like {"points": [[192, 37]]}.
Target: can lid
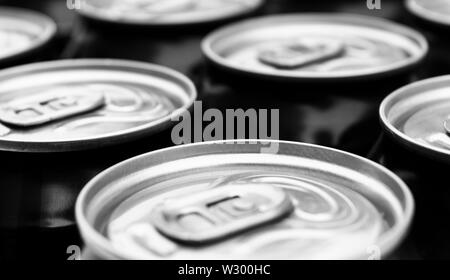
{"points": [[226, 200], [80, 104], [436, 11], [315, 46], [22, 31], [166, 12], [418, 115]]}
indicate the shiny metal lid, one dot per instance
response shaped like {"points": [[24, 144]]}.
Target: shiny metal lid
{"points": [[22, 31], [436, 11], [166, 12], [418, 115], [222, 200], [315, 46], [80, 104]]}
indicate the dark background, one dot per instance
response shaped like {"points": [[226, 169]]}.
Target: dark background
{"points": [[344, 117]]}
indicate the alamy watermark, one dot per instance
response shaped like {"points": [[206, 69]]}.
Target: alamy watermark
{"points": [[373, 253], [74, 253], [74, 4], [78, 4], [234, 124], [374, 4]]}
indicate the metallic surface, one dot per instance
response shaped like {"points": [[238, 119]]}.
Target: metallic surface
{"points": [[436, 11], [417, 116], [23, 31], [166, 12], [331, 118], [140, 99], [343, 203], [372, 46]]}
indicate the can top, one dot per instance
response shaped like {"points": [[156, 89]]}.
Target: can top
{"points": [[166, 12], [22, 31], [80, 104], [224, 200], [418, 115], [436, 11], [315, 46]]}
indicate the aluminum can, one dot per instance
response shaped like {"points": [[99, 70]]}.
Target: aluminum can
{"points": [[433, 18], [416, 146], [228, 200], [435, 12], [24, 35]]}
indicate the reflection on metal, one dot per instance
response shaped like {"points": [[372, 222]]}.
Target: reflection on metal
{"points": [[221, 212]]}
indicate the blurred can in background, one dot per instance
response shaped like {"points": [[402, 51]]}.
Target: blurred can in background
{"points": [[433, 12], [164, 13], [327, 73], [63, 122], [433, 18], [25, 36], [166, 32], [316, 48], [416, 145]]}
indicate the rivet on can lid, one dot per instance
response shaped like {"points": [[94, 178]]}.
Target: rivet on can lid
{"points": [[243, 205]]}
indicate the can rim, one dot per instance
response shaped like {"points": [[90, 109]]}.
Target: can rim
{"points": [[104, 139], [427, 14], [92, 237], [370, 21], [96, 16], [401, 137], [50, 29]]}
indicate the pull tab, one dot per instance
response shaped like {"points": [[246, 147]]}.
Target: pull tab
{"points": [[219, 213], [302, 53], [45, 108], [447, 126]]}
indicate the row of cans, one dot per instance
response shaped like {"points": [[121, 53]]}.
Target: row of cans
{"points": [[24, 33], [224, 200], [63, 122]]}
